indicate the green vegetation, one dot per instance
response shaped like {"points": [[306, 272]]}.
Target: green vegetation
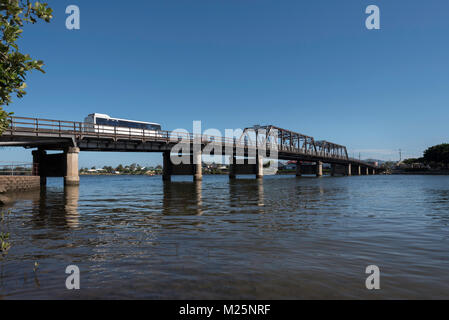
{"points": [[136, 169], [133, 169], [14, 65], [434, 157], [437, 155], [4, 123], [5, 244], [411, 161]]}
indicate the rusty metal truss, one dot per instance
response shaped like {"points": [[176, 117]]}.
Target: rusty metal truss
{"points": [[289, 141]]}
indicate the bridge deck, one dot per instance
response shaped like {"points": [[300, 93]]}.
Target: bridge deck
{"points": [[56, 134]]}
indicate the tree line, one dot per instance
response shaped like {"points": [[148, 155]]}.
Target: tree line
{"points": [[134, 169], [435, 156]]}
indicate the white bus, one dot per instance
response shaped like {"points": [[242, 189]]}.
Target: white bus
{"points": [[102, 123]]}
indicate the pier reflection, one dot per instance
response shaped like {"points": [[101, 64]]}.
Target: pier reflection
{"points": [[71, 197], [182, 198], [247, 193], [54, 208]]}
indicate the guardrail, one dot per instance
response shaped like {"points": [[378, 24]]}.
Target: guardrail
{"points": [[80, 129], [61, 128]]}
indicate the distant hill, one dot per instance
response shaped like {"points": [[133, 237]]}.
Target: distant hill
{"points": [[375, 160]]}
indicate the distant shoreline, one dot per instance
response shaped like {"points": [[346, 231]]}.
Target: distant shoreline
{"points": [[426, 173], [293, 172]]}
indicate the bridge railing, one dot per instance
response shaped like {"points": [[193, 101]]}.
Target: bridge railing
{"points": [[60, 128], [63, 128], [43, 125]]}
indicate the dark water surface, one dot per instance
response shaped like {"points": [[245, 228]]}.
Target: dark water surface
{"points": [[283, 238]]}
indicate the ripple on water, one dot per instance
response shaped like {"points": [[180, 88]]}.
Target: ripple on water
{"points": [[283, 237]]}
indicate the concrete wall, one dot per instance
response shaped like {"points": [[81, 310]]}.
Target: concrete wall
{"points": [[18, 183]]}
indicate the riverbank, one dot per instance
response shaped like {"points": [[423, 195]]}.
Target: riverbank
{"points": [[421, 172], [139, 174]]}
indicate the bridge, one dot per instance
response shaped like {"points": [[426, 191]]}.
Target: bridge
{"points": [[246, 153]]}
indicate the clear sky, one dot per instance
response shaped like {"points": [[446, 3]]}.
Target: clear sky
{"points": [[310, 66]]}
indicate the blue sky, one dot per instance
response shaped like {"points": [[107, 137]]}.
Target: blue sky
{"points": [[309, 66]]}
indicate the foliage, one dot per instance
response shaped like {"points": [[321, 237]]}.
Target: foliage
{"points": [[4, 244], [411, 161], [4, 122], [133, 169], [14, 65], [438, 154]]}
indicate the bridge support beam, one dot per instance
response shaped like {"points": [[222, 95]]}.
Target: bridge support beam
{"points": [[192, 168], [259, 166], [72, 177], [333, 169], [319, 169], [38, 162], [298, 168], [367, 171], [167, 166], [348, 170], [232, 167], [197, 164]]}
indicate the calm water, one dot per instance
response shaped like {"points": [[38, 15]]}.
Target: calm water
{"points": [[283, 238]]}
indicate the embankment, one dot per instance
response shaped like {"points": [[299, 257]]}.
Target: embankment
{"points": [[17, 183]]}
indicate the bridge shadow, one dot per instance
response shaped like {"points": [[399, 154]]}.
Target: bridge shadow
{"points": [[182, 198]]}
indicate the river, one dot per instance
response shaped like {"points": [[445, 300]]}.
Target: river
{"points": [[280, 238]]}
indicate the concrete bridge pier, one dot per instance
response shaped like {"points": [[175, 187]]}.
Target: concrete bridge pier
{"points": [[367, 171], [72, 177], [319, 169], [197, 165], [259, 167], [232, 167], [298, 168], [38, 163], [348, 170], [57, 165], [341, 169], [333, 169], [250, 165], [167, 166], [192, 168], [359, 170]]}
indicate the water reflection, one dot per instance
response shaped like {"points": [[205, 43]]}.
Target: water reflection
{"points": [[277, 238], [247, 193], [182, 198], [437, 201], [71, 196], [51, 208]]}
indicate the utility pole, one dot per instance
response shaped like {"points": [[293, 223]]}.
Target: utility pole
{"points": [[400, 155]]}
